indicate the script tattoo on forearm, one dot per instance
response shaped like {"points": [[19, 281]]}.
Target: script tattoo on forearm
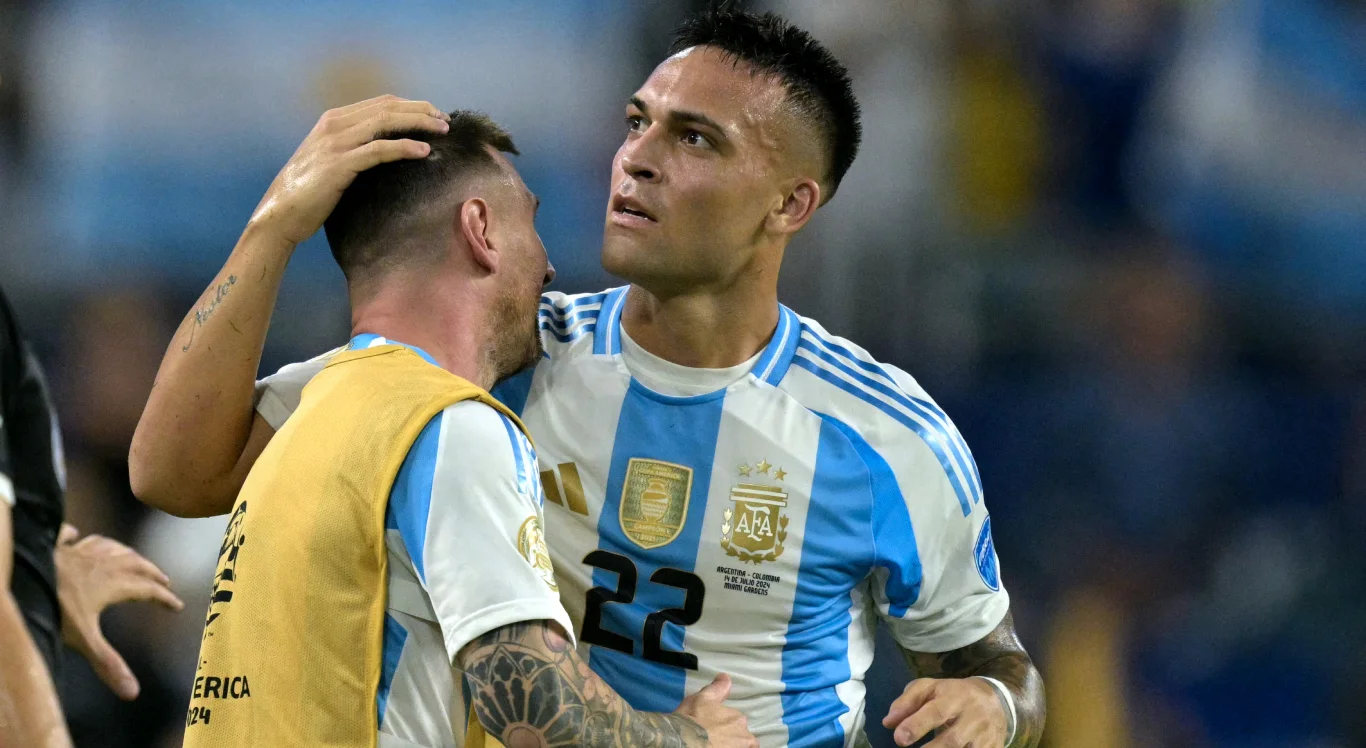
{"points": [[998, 655], [529, 688], [201, 316]]}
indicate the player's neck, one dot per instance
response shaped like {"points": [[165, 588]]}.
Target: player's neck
{"points": [[437, 316], [706, 330]]}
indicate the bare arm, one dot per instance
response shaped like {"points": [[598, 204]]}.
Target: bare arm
{"points": [[564, 703], [30, 714], [197, 438], [1000, 656]]}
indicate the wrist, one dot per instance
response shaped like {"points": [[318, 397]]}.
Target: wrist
{"points": [[689, 730], [262, 232], [1007, 705]]}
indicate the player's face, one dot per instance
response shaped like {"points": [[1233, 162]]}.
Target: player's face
{"points": [[700, 169], [525, 270]]}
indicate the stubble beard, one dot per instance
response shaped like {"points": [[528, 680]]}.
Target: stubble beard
{"points": [[517, 340]]}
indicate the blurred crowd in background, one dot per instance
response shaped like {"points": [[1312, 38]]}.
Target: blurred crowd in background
{"points": [[1122, 242]]}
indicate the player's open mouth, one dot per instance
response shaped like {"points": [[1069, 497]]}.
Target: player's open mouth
{"points": [[630, 210]]}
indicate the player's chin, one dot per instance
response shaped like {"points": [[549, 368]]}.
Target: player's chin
{"points": [[629, 256]]}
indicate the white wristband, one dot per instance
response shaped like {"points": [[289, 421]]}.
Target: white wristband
{"points": [[1009, 700]]}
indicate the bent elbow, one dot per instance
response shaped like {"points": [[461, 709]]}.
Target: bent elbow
{"points": [[159, 488], [150, 485]]}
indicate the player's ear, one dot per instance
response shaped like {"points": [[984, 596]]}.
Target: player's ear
{"points": [[801, 198], [474, 226]]}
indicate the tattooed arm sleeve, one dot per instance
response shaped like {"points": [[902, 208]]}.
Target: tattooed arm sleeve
{"points": [[530, 688], [998, 655]]}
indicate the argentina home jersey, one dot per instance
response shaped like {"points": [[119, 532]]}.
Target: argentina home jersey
{"points": [[466, 556], [761, 529]]}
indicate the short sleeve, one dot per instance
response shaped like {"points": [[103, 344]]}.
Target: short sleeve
{"points": [[959, 598], [467, 503], [277, 396], [936, 578]]}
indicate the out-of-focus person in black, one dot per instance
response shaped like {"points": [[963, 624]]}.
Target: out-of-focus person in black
{"points": [[53, 584]]}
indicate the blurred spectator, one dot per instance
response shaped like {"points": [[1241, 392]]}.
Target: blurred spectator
{"points": [[1256, 152], [1102, 58]]}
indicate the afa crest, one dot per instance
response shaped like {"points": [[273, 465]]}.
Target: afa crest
{"points": [[654, 501], [755, 528]]}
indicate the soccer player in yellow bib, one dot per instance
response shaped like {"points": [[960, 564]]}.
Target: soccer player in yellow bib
{"points": [[384, 579]]}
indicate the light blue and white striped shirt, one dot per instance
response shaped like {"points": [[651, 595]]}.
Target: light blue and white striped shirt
{"points": [[761, 529]]}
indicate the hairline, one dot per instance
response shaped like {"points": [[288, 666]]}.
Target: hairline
{"points": [[792, 110]]}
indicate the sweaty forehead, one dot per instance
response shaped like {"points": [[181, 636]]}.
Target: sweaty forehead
{"points": [[705, 80]]}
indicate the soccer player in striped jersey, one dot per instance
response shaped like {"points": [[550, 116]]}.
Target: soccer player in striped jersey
{"points": [[730, 488]]}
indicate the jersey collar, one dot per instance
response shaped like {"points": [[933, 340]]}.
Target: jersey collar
{"points": [[371, 340], [607, 335], [777, 356], [770, 368]]}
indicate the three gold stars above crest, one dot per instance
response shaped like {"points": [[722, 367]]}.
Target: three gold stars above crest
{"points": [[762, 468]]}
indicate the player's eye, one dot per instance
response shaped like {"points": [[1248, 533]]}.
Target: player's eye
{"points": [[693, 137], [635, 122]]}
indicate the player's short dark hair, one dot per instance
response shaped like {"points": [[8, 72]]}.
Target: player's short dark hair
{"points": [[378, 203], [817, 84]]}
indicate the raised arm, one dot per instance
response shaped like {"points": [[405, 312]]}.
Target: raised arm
{"points": [[198, 437], [564, 703]]}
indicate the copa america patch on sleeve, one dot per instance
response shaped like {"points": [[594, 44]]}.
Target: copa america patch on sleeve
{"points": [[985, 554], [531, 542]]}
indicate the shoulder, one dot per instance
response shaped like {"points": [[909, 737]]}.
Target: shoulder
{"points": [[300, 371], [836, 377], [473, 420], [278, 395], [881, 404], [474, 444]]}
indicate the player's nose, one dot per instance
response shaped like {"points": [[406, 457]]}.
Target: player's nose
{"points": [[638, 159], [549, 274]]}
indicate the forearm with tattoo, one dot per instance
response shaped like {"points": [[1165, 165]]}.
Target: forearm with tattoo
{"points": [[214, 296], [998, 655], [531, 689]]}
